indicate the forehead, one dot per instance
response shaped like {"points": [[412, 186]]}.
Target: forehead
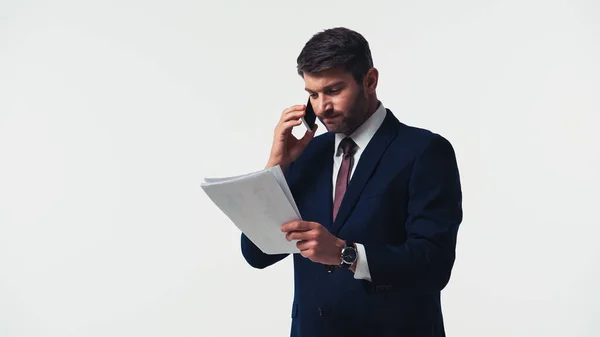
{"points": [[319, 81]]}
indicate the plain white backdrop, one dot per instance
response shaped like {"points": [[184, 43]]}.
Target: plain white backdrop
{"points": [[113, 112]]}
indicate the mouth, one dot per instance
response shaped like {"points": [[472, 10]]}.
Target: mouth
{"points": [[330, 119]]}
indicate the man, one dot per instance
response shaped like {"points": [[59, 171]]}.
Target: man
{"points": [[381, 203]]}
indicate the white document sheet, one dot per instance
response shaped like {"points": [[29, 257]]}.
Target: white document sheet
{"points": [[258, 204]]}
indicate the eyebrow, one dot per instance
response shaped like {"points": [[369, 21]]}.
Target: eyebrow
{"points": [[328, 87]]}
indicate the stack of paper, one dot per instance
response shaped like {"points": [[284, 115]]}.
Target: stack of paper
{"points": [[258, 203]]}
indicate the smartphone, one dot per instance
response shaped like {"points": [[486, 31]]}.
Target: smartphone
{"points": [[309, 118]]}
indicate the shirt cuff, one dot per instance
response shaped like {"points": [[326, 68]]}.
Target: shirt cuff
{"points": [[362, 268]]}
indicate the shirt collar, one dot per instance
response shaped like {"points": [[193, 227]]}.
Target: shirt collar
{"points": [[363, 134]]}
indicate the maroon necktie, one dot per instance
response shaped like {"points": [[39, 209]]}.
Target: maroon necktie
{"points": [[347, 145]]}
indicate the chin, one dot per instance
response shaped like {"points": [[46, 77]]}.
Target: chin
{"points": [[339, 127], [340, 130], [334, 128]]}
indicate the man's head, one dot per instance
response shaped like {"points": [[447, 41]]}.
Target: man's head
{"points": [[338, 74]]}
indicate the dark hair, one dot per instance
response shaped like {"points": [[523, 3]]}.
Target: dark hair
{"points": [[336, 47]]}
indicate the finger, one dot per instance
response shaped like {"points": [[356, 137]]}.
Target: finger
{"points": [[305, 226], [296, 225], [292, 116], [285, 130], [286, 126], [290, 225], [300, 235], [303, 245], [308, 253], [292, 111], [298, 107]]}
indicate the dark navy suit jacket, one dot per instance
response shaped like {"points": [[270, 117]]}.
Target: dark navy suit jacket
{"points": [[404, 204]]}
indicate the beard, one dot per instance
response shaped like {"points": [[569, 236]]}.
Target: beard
{"points": [[348, 122]]}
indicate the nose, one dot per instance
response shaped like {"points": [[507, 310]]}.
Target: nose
{"points": [[323, 105]]}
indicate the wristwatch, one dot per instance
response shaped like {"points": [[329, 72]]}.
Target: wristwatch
{"points": [[349, 255]]}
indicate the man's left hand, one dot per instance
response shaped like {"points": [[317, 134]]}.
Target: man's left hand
{"points": [[315, 241]]}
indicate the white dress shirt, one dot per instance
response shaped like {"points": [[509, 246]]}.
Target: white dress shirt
{"points": [[361, 136]]}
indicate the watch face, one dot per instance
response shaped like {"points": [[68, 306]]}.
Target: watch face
{"points": [[349, 255]]}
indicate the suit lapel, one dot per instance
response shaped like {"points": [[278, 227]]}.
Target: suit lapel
{"points": [[323, 203], [366, 165]]}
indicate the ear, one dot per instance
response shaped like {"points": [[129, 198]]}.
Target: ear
{"points": [[370, 81]]}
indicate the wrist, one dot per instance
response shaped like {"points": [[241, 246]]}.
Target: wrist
{"points": [[277, 161], [336, 259], [353, 267], [340, 244]]}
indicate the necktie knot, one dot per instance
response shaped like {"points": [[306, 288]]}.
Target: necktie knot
{"points": [[347, 145]]}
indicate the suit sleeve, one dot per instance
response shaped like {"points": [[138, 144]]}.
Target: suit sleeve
{"points": [[425, 260], [255, 257], [252, 254]]}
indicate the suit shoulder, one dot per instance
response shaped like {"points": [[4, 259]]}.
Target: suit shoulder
{"points": [[422, 139], [316, 148], [319, 142], [324, 137]]}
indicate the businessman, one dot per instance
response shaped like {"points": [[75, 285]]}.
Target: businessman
{"points": [[381, 203]]}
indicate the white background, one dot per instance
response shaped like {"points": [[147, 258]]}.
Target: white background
{"points": [[113, 112]]}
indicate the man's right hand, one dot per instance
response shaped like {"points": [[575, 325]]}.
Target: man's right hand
{"points": [[286, 148]]}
